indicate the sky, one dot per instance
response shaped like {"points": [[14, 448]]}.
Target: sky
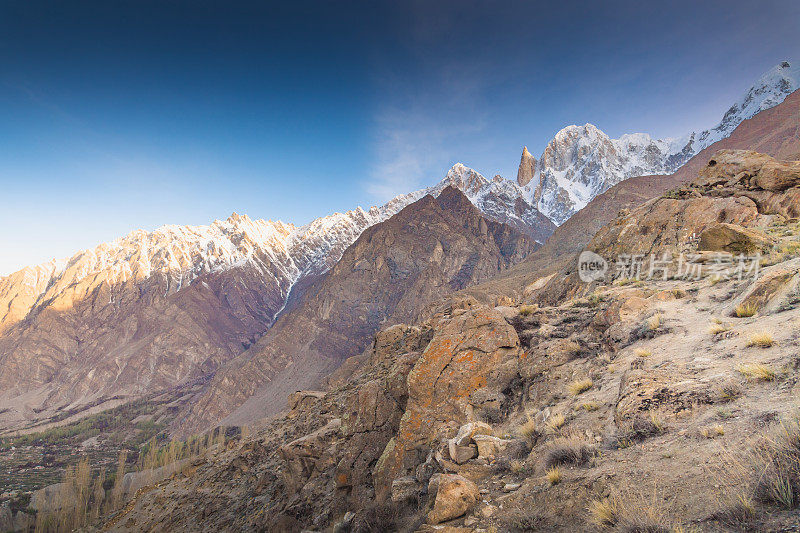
{"points": [[118, 115]]}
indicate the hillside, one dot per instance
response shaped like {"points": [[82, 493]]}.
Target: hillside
{"points": [[628, 405]]}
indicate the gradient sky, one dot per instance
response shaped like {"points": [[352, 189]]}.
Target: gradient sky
{"points": [[120, 115]]}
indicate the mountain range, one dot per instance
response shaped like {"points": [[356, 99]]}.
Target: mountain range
{"points": [[158, 309]]}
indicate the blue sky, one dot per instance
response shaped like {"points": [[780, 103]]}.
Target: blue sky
{"points": [[123, 115]]}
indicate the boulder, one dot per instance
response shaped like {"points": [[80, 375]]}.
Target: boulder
{"points": [[489, 446], [304, 398], [733, 238], [466, 432], [301, 455], [405, 488], [455, 496], [771, 287], [461, 454]]}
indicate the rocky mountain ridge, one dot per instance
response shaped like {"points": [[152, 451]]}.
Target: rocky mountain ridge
{"points": [[581, 162]]}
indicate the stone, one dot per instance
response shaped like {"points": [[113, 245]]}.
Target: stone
{"points": [[476, 349], [489, 446], [461, 454], [466, 432], [734, 239], [302, 454], [771, 287], [405, 488], [456, 495], [510, 487], [304, 398]]}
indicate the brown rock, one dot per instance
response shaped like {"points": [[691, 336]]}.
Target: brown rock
{"points": [[461, 454], [767, 291], [455, 496], [734, 239], [475, 349]]}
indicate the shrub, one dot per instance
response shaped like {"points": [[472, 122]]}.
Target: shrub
{"points": [[654, 322], [527, 310], [528, 429], [580, 386], [641, 428], [756, 371], [748, 310], [762, 339]]}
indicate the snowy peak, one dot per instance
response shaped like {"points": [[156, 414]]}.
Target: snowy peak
{"points": [[768, 91], [581, 162]]}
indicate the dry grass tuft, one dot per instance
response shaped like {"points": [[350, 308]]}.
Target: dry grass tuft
{"points": [[572, 347], [580, 386], [589, 406], [554, 475], [756, 371], [762, 339], [777, 463], [744, 311], [727, 391], [604, 513], [517, 466], [654, 322], [713, 431], [568, 452], [642, 352], [527, 310], [528, 429], [716, 329], [556, 422]]}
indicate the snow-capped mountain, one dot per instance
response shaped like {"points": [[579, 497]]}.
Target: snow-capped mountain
{"points": [[581, 162], [282, 252]]}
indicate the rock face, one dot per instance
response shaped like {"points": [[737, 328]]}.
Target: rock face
{"points": [[477, 350], [582, 162], [527, 167], [376, 447], [429, 249]]}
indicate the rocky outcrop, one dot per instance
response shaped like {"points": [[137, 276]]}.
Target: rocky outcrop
{"points": [[476, 350], [734, 239]]}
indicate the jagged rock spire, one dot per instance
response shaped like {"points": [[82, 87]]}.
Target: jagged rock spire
{"points": [[527, 165]]}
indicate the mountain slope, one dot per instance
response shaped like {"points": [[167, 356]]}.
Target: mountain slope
{"points": [[431, 248], [581, 162]]}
